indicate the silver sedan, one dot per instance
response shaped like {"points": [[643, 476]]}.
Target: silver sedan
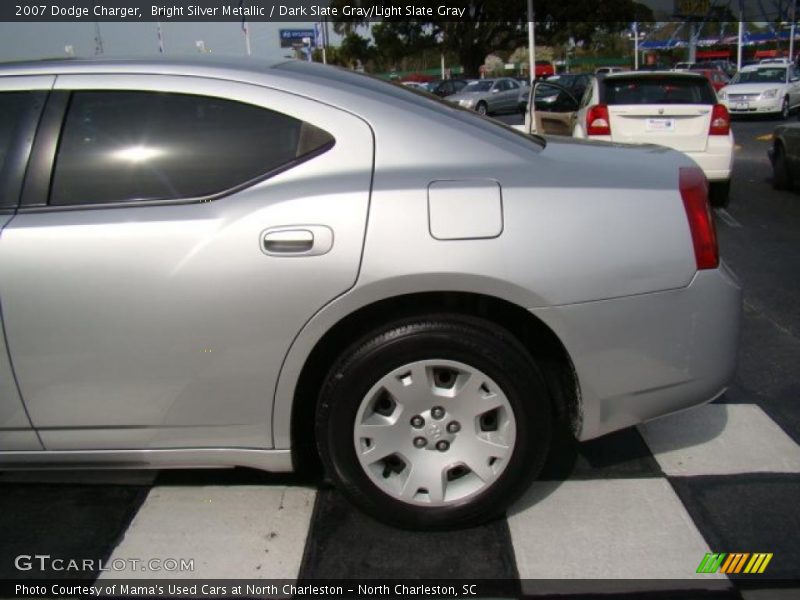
{"points": [[489, 96], [222, 263]]}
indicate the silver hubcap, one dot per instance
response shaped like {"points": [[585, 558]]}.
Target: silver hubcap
{"points": [[434, 432]]}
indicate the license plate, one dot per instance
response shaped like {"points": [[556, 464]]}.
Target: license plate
{"points": [[741, 106], [660, 124]]}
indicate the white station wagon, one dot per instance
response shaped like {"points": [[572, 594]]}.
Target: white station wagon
{"points": [[674, 109]]}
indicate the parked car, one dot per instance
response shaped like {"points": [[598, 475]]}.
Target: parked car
{"points": [[576, 83], [685, 66], [784, 154], [242, 263], [723, 65], [555, 110], [716, 77], [771, 89], [609, 70], [416, 85], [447, 87], [543, 69], [488, 96], [775, 61], [675, 109]]}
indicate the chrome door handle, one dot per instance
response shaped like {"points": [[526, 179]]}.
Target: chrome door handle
{"points": [[299, 240]]}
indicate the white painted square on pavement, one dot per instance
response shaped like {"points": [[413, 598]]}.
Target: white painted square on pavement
{"points": [[606, 529], [244, 532], [721, 439]]}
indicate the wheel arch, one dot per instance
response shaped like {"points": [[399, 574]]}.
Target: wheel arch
{"points": [[538, 338]]}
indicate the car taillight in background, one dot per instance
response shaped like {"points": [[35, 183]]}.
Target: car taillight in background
{"points": [[720, 121], [694, 191], [597, 120]]}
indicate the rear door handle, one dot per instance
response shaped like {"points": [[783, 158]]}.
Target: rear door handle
{"points": [[297, 240]]}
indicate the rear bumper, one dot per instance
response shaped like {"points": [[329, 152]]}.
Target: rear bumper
{"points": [[716, 165], [716, 160], [645, 356]]}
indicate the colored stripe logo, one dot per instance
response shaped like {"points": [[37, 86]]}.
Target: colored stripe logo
{"points": [[735, 563]]}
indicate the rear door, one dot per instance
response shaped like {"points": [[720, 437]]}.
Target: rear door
{"points": [[554, 109], [673, 111], [191, 227], [21, 103]]}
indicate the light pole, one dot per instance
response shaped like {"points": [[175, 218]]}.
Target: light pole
{"points": [[531, 43], [791, 31], [741, 35]]}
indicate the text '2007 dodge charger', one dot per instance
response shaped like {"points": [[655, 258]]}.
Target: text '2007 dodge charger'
{"points": [[227, 263]]}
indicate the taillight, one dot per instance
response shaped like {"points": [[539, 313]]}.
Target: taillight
{"points": [[694, 191], [597, 120], [720, 121]]}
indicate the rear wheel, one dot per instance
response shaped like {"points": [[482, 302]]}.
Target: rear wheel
{"points": [[482, 108], [719, 193], [781, 176], [433, 423]]}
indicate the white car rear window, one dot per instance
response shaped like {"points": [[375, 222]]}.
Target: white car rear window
{"points": [[657, 90]]}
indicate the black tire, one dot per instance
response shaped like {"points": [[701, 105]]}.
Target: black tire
{"points": [[475, 342], [785, 109], [781, 176], [482, 108], [719, 193]]}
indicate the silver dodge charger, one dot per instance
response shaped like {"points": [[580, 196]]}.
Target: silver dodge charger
{"points": [[233, 263]]}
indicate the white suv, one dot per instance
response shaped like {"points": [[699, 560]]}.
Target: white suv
{"points": [[674, 109]]}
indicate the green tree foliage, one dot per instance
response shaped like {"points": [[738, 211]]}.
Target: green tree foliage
{"points": [[495, 25], [395, 40], [354, 49]]}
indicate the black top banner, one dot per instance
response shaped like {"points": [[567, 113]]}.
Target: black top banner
{"points": [[409, 10]]}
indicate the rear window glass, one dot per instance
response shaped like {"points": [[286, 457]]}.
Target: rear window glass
{"points": [[479, 86], [132, 146], [657, 90]]}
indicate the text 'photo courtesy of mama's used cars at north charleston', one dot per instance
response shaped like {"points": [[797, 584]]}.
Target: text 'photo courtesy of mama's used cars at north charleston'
{"points": [[678, 110], [260, 265]]}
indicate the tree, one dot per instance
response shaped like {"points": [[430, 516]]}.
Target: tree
{"points": [[396, 40], [354, 49], [499, 25]]}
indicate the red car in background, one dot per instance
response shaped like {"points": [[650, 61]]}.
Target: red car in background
{"points": [[544, 68], [718, 78]]}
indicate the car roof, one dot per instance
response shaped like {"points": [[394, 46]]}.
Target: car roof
{"points": [[196, 65], [365, 96], [758, 67], [654, 74]]}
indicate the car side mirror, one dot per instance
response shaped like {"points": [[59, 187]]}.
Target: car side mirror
{"points": [[495, 90]]}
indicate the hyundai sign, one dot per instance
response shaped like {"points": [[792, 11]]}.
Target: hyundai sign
{"points": [[294, 37]]}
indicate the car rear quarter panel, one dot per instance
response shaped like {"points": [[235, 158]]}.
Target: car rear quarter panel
{"points": [[582, 224]]}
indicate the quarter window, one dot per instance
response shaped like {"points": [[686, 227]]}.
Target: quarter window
{"points": [[133, 146], [16, 111]]}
